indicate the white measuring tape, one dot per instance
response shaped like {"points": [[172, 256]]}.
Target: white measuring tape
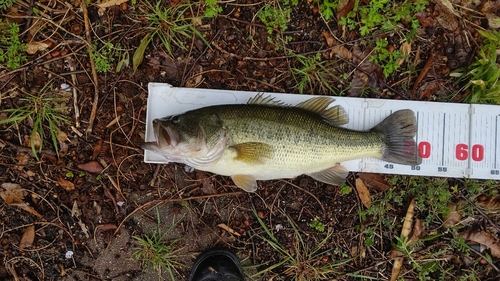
{"points": [[454, 140]]}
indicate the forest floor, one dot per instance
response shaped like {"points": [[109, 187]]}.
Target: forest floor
{"points": [[79, 203]]}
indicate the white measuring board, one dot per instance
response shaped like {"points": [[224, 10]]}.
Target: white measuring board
{"points": [[454, 140]]}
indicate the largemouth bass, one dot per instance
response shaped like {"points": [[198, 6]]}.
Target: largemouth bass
{"points": [[265, 139]]}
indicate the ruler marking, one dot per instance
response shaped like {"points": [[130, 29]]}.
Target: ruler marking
{"points": [[442, 147], [496, 141], [471, 121]]}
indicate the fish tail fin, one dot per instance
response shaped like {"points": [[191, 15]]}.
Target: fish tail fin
{"points": [[398, 131]]}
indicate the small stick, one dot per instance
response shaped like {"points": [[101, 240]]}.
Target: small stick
{"points": [[92, 64]]}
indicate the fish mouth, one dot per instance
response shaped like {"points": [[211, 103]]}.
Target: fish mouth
{"points": [[165, 135]]}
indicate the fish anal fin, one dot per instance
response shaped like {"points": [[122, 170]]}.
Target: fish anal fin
{"points": [[252, 152], [335, 175], [245, 182], [336, 114]]}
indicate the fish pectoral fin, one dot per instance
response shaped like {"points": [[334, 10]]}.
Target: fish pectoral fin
{"points": [[252, 152], [335, 175], [336, 115], [245, 182]]}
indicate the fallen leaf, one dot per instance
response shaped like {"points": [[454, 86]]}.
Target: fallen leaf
{"points": [[428, 89], [489, 203], [138, 56], [374, 181], [330, 41], [344, 7], [484, 238], [66, 184], [448, 17], [13, 195], [228, 229], [33, 47], [363, 193], [417, 231], [453, 217], [208, 186], [367, 75], [36, 139], [97, 149], [91, 167], [27, 238], [405, 231], [75, 211], [22, 160], [106, 4], [405, 48], [425, 19]]}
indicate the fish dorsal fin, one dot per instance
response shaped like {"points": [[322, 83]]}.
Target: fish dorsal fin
{"points": [[336, 114], [335, 175], [245, 182], [252, 152], [267, 100]]}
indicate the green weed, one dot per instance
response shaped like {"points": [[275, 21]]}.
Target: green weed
{"points": [[212, 9], [170, 25], [11, 49], [5, 4], [317, 225], [301, 263], [154, 251], [311, 72], [103, 57], [382, 14], [387, 60], [482, 76], [277, 14], [39, 110]]}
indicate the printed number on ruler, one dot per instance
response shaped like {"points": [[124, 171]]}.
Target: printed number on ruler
{"points": [[461, 151]]}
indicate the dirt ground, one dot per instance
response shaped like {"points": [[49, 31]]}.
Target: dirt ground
{"points": [[72, 214]]}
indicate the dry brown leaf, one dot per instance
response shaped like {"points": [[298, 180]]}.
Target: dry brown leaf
{"points": [[428, 89], [208, 186], [344, 7], [28, 238], [406, 50], [484, 238], [448, 17], [22, 160], [405, 231], [363, 193], [374, 181], [97, 149], [417, 231], [106, 4], [91, 167], [33, 47], [489, 203], [228, 229], [37, 140], [453, 217], [330, 41], [66, 184], [13, 195]]}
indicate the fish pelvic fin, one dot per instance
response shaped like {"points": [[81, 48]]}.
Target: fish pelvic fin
{"points": [[252, 152], [335, 175], [245, 182], [398, 131]]}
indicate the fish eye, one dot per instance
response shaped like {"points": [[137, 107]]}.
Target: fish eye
{"points": [[175, 119]]}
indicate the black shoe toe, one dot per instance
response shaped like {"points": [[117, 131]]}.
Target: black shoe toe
{"points": [[217, 264]]}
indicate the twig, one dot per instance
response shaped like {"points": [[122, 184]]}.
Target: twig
{"points": [[92, 64]]}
